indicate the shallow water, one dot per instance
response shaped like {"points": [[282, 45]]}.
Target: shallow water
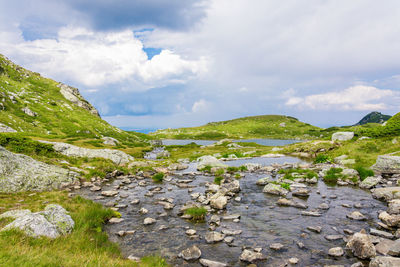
{"points": [[262, 222]]}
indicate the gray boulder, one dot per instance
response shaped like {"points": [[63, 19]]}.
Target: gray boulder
{"points": [[52, 222], [370, 182], [387, 164], [342, 136], [384, 261], [386, 193], [209, 263], [192, 253], [209, 161], [275, 189], [116, 156], [110, 141], [361, 245], [22, 173]]}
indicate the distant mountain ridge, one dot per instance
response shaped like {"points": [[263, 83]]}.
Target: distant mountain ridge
{"points": [[374, 117]]}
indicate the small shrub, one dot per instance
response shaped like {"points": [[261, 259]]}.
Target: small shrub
{"points": [[197, 213], [333, 175], [206, 168], [232, 169], [242, 168], [220, 172], [285, 186], [322, 158], [218, 179], [364, 172], [238, 176], [158, 177]]}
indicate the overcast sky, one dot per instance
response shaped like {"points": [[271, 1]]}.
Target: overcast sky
{"points": [[158, 64]]}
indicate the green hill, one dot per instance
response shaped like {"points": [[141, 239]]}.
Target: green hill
{"points": [[39, 107], [266, 126], [390, 128], [374, 117]]}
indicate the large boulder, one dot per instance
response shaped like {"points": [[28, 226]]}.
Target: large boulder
{"points": [[22, 173], [218, 201], [209, 161], [275, 189], [386, 193], [387, 164], [361, 245], [342, 136], [390, 220], [370, 182], [52, 222], [117, 156], [191, 253]]}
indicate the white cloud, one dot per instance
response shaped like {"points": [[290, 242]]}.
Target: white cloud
{"points": [[200, 106], [359, 97], [97, 59]]}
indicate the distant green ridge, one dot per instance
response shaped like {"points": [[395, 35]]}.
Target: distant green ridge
{"points": [[374, 117], [264, 126]]}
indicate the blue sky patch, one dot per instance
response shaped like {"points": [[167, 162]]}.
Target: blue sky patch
{"points": [[151, 52]]}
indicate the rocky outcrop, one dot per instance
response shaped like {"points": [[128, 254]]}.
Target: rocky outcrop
{"points": [[6, 129], [52, 222], [22, 173], [29, 112], [387, 164], [110, 141], [116, 156], [72, 94], [386, 193], [342, 136]]}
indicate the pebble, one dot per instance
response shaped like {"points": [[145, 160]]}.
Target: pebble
{"points": [[149, 221], [276, 246], [316, 229], [336, 252], [191, 232], [115, 220], [293, 260]]}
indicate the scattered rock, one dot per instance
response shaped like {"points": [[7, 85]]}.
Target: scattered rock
{"points": [[361, 246], [275, 189], [383, 234], [214, 237], [110, 193], [218, 202], [387, 164], [251, 256], [394, 206], [192, 253], [276, 246], [356, 215], [336, 252], [148, 221], [115, 220], [384, 261], [386, 193], [370, 182], [342, 136], [209, 263], [390, 220]]}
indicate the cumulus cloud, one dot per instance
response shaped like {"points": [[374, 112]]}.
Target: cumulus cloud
{"points": [[359, 97], [200, 106], [99, 58]]}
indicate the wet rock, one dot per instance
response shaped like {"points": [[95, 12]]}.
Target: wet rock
{"points": [[215, 219], [192, 253], [218, 202], [394, 206], [386, 193], [143, 211], [178, 166], [210, 263], [293, 261], [311, 213], [300, 244], [231, 217], [214, 237], [383, 234], [370, 182], [251, 167], [166, 205], [361, 246], [357, 216], [384, 261], [191, 232], [115, 220], [251, 256], [394, 249], [276, 246], [231, 232], [110, 193], [275, 189], [149, 221], [135, 202], [121, 206], [291, 203], [390, 220], [333, 237], [323, 206], [264, 181], [95, 188], [301, 192], [383, 246], [229, 239], [238, 199], [316, 229], [336, 252]]}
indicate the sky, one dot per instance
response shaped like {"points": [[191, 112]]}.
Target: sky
{"points": [[152, 64]]}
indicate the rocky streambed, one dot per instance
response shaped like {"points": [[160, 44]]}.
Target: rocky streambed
{"points": [[308, 226]]}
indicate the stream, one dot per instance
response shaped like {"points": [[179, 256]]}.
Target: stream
{"points": [[262, 221]]}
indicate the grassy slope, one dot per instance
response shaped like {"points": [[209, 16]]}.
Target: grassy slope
{"points": [[267, 126], [57, 117], [87, 245]]}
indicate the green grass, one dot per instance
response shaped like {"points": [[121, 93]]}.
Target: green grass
{"points": [[87, 245], [285, 186], [197, 213], [333, 175], [158, 177], [267, 126], [322, 158], [292, 174], [364, 172], [218, 179]]}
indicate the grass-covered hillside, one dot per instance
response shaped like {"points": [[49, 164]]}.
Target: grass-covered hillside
{"points": [[374, 117], [37, 106], [267, 126]]}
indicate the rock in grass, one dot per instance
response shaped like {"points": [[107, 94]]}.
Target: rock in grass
{"points": [[192, 253], [342, 136], [52, 222], [22, 173]]}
